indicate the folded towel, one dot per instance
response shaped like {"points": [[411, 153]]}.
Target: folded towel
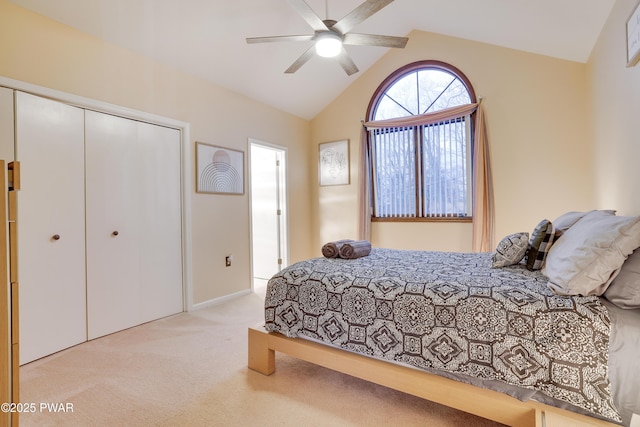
{"points": [[355, 249], [332, 249]]}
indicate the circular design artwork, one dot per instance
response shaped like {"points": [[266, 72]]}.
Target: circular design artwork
{"points": [[220, 170]]}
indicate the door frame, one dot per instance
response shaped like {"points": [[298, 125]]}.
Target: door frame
{"points": [[185, 154], [284, 244]]}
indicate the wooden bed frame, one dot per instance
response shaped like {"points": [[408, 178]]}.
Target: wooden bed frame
{"points": [[475, 400]]}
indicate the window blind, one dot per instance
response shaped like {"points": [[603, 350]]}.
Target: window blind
{"points": [[422, 171]]}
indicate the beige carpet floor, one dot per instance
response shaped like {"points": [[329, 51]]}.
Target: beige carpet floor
{"points": [[190, 370]]}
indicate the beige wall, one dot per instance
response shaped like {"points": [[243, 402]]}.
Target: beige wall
{"points": [[540, 150], [615, 91], [537, 110], [40, 51]]}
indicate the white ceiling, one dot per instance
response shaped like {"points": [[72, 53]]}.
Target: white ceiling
{"points": [[206, 38]]}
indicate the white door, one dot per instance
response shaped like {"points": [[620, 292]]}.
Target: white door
{"points": [[51, 250], [113, 297], [134, 262], [160, 220], [267, 210]]}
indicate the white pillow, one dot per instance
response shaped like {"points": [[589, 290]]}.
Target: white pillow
{"points": [[565, 221], [590, 253]]}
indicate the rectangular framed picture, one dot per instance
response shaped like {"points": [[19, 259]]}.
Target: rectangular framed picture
{"points": [[333, 167], [633, 37], [219, 170]]}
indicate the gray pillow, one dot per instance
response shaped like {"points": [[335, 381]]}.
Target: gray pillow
{"points": [[624, 290], [589, 255], [510, 250]]}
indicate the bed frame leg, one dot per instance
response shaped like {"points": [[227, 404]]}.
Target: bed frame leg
{"points": [[261, 358]]}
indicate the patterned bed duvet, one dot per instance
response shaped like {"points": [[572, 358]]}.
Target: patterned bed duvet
{"points": [[454, 315]]}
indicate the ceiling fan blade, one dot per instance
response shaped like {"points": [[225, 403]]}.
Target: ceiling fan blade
{"points": [[301, 60], [375, 40], [302, 38], [359, 14], [347, 63], [308, 14]]}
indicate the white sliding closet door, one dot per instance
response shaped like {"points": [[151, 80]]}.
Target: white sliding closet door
{"points": [[134, 261], [50, 148]]}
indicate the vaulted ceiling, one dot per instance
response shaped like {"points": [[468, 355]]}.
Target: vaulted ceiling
{"points": [[206, 38]]}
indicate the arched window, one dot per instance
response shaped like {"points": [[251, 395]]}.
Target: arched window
{"points": [[422, 171]]}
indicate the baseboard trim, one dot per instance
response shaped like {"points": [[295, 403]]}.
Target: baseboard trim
{"points": [[219, 300]]}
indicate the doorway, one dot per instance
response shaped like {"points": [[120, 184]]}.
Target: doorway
{"points": [[268, 211]]}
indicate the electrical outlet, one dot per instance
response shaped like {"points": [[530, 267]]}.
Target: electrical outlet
{"points": [[227, 261]]}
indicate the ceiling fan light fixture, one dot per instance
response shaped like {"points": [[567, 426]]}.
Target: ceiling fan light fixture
{"points": [[329, 35], [328, 44]]}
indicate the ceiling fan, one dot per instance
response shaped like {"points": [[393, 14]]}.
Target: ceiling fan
{"points": [[330, 36]]}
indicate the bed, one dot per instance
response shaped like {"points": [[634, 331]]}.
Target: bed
{"points": [[499, 342]]}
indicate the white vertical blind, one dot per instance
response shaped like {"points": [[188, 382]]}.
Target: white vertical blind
{"points": [[427, 177]]}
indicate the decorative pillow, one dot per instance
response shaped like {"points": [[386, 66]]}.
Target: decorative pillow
{"points": [[590, 253], [541, 240], [565, 221], [510, 250], [624, 290]]}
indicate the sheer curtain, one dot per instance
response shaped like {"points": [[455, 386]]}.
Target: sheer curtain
{"points": [[483, 215]]}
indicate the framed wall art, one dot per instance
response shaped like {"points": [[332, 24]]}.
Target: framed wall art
{"points": [[219, 170], [633, 37], [333, 167]]}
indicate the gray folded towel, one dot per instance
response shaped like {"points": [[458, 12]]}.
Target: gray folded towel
{"points": [[332, 249], [355, 249]]}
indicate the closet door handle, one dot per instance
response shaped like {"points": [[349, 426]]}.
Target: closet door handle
{"points": [[55, 237], [115, 233]]}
